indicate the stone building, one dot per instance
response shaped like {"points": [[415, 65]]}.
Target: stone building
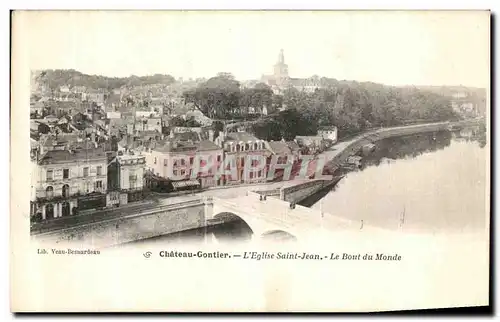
{"points": [[67, 181], [237, 146], [174, 159], [126, 178], [329, 133]]}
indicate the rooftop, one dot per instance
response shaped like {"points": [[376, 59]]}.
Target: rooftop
{"points": [[240, 136], [294, 146], [186, 136], [279, 147], [180, 146], [63, 156], [129, 157], [327, 128]]}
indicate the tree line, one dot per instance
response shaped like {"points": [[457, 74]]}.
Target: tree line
{"points": [[351, 106], [70, 77], [354, 107], [221, 97]]}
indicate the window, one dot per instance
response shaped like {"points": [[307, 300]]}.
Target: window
{"points": [[99, 170], [65, 191], [98, 185], [251, 175], [218, 158], [183, 162], [132, 181], [65, 173], [49, 192], [176, 172], [155, 161], [50, 174], [191, 160], [86, 171], [183, 172], [165, 162]]}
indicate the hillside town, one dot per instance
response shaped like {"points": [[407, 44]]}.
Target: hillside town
{"points": [[107, 145]]}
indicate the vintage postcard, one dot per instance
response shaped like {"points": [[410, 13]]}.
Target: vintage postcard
{"points": [[250, 161]]}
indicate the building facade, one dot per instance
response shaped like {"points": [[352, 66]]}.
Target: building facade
{"points": [[174, 160], [329, 133], [238, 146], [68, 181], [126, 179]]}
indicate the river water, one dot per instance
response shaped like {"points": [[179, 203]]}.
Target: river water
{"points": [[431, 182]]}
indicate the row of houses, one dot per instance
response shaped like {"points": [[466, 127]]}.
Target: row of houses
{"points": [[69, 178], [65, 182]]}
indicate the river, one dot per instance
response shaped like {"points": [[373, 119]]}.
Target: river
{"points": [[436, 181], [431, 182]]}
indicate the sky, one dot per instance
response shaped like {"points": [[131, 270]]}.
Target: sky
{"points": [[395, 48]]}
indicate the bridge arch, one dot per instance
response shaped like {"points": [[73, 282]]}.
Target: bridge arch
{"points": [[278, 236], [232, 229]]}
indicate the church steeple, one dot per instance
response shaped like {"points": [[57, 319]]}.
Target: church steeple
{"points": [[280, 69], [281, 57]]}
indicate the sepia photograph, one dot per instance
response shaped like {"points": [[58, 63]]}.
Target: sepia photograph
{"points": [[250, 161]]}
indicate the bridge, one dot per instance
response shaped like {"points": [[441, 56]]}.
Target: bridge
{"points": [[270, 218]]}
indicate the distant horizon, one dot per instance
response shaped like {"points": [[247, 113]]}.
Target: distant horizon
{"points": [[259, 80], [395, 48]]}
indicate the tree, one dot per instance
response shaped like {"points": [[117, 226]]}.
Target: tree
{"points": [[276, 102], [218, 97], [217, 126], [180, 122], [192, 122], [177, 121]]}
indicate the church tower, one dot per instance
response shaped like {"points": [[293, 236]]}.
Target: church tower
{"points": [[281, 69], [281, 59]]}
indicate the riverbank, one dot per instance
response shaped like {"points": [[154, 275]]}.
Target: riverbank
{"points": [[338, 153]]}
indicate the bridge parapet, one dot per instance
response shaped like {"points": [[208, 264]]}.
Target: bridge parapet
{"points": [[270, 193], [265, 215], [299, 192]]}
